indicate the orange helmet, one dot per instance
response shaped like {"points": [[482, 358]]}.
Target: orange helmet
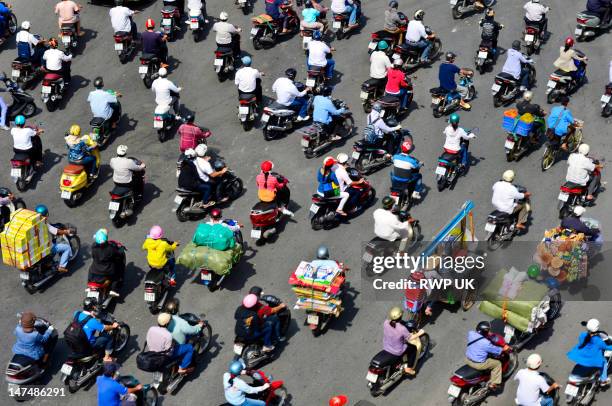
{"points": [[340, 400], [150, 23]]}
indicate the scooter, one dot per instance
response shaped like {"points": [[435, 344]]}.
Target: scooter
{"points": [[411, 55], [164, 122], [102, 129], [316, 138], [247, 110], [368, 158], [210, 278], [197, 23], [124, 45], [68, 36], [99, 289], [606, 104], [156, 289], [517, 145], [501, 226], [26, 71], [23, 169], [371, 90], [224, 62], [533, 38], [170, 19], [572, 195], [244, 5], [322, 211], [341, 22], [149, 66], [459, 8], [484, 57], [75, 180], [390, 38], [444, 102], [315, 79], [553, 150], [264, 218], [589, 25], [449, 168], [506, 88], [266, 32], [278, 119], [123, 201], [52, 90], [562, 84], [148, 396], [11, 26]]}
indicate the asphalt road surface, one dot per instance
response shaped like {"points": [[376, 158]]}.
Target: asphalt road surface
{"points": [[314, 369]]}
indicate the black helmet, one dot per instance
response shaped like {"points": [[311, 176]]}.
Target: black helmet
{"points": [[393, 4], [483, 328], [256, 290], [172, 306], [322, 252], [387, 202], [190, 117], [118, 3], [327, 90], [354, 174], [392, 122], [308, 4], [516, 45], [4, 192], [450, 55], [291, 73], [412, 326], [99, 82], [218, 165], [377, 107], [90, 304]]}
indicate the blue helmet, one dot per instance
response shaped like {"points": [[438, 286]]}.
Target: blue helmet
{"points": [[236, 368], [19, 120], [316, 35], [101, 236], [246, 60], [42, 210]]}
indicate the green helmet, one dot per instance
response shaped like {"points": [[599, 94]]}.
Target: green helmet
{"points": [[382, 45], [387, 202], [454, 118]]}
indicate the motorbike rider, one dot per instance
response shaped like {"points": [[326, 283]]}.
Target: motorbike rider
{"points": [[396, 83], [110, 391], [103, 103], [581, 171], [5, 11], [566, 63], [385, 134], [560, 123], [57, 61], [166, 92], [216, 217], [155, 42], [406, 171], [6, 197], [123, 172], [27, 141], [505, 199], [348, 182], [248, 80], [289, 96], [393, 22], [453, 143], [28, 46], [379, 64], [228, 35], [273, 187], [574, 222], [208, 175], [324, 112], [236, 389], [589, 352], [490, 30], [191, 135], [323, 262], [29, 342], [417, 37], [159, 339], [387, 226], [189, 179], [310, 17], [602, 8], [160, 253], [533, 390], [62, 249], [122, 19], [96, 331], [535, 13], [525, 106], [329, 186], [197, 5], [249, 324], [346, 6], [273, 9], [79, 150], [396, 339], [68, 13], [515, 66], [107, 262], [446, 76], [480, 348], [179, 327], [319, 55], [268, 311]]}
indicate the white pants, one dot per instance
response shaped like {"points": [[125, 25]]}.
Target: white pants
{"points": [[343, 199]]}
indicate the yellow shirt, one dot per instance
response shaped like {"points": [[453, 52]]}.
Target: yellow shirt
{"points": [[565, 61], [157, 252]]}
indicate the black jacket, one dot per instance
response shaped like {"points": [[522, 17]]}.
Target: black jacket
{"points": [[524, 107], [108, 261], [490, 28], [189, 178]]}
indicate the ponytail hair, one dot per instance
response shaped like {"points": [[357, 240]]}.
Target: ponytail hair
{"points": [[587, 340]]}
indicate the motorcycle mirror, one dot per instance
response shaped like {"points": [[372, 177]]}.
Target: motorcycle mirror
{"points": [[583, 323]]}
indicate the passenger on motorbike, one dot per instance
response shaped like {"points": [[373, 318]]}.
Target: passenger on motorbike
{"points": [[62, 249], [30, 343], [406, 171], [396, 84], [387, 226], [348, 181], [319, 55], [289, 96], [490, 30], [268, 311], [208, 175], [602, 8], [189, 179], [569, 60], [191, 135], [505, 199], [346, 6], [446, 76], [159, 339], [453, 144], [96, 332], [103, 103], [248, 80], [325, 113], [273, 9], [516, 66], [68, 13], [179, 327], [27, 141], [535, 13], [575, 223], [155, 42], [166, 92], [122, 19], [110, 391], [57, 61], [393, 22], [249, 324], [417, 37], [581, 171], [28, 45], [228, 35], [310, 17], [273, 187], [479, 350], [160, 253], [396, 337], [532, 388], [6, 197], [216, 217], [385, 135], [560, 123], [589, 352], [107, 262], [236, 389], [525, 106], [79, 150], [329, 185], [379, 64], [123, 169]]}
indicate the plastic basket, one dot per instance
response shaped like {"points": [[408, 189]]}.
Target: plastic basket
{"points": [[523, 128], [509, 123]]}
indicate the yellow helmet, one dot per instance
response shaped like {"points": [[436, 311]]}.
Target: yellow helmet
{"points": [[396, 313], [75, 130]]}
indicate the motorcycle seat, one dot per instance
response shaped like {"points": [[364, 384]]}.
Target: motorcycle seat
{"points": [[97, 121], [438, 91], [22, 360], [561, 73], [121, 190], [83, 358], [589, 13], [52, 76], [73, 169], [154, 276], [571, 187], [68, 26], [584, 372], [147, 57], [122, 34], [264, 206], [168, 9], [315, 71], [225, 51], [486, 43], [383, 359], [21, 156], [497, 215], [468, 373], [326, 199], [448, 158], [505, 76], [22, 61], [389, 101], [382, 34], [187, 192], [246, 96]]}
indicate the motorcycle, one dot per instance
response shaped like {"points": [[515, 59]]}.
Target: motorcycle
{"points": [[386, 369], [75, 180], [52, 90], [445, 102], [264, 218], [449, 167], [411, 55], [506, 88], [390, 38], [26, 71], [318, 137], [563, 84], [572, 195], [501, 226], [101, 128], [606, 104], [553, 150], [123, 201], [275, 395], [210, 278], [68, 36], [371, 90], [484, 57], [460, 8], [278, 119], [148, 396], [368, 158], [316, 79], [244, 5], [589, 25], [322, 211], [79, 369], [517, 145], [34, 277], [124, 45], [170, 20], [23, 102], [100, 289], [266, 32], [224, 62], [22, 170], [247, 110], [196, 24], [156, 289], [533, 38], [341, 22], [391, 104], [11, 26], [149, 66], [164, 122]]}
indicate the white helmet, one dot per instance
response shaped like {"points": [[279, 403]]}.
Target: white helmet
{"points": [[534, 361], [579, 210], [593, 325], [190, 153], [528, 95], [162, 72], [535, 1], [508, 175], [223, 16], [584, 149], [25, 25], [342, 158], [201, 149], [122, 150]]}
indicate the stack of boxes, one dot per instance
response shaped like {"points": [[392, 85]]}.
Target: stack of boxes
{"points": [[25, 239], [318, 290]]}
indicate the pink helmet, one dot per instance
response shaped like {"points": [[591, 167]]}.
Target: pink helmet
{"points": [[156, 232], [249, 301]]}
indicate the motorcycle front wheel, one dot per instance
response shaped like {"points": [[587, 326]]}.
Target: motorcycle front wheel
{"points": [[121, 338], [548, 159], [151, 397], [29, 110], [180, 211]]}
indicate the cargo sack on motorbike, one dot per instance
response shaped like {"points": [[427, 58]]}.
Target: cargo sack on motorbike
{"points": [[151, 361], [25, 239], [219, 262], [215, 236], [262, 19], [75, 336]]}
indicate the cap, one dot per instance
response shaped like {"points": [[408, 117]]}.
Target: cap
{"points": [[163, 319]]}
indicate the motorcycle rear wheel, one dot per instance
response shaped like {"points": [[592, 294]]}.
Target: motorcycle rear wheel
{"points": [[317, 223], [494, 241], [497, 101], [148, 81], [234, 189], [456, 13], [21, 184], [180, 211], [151, 398], [29, 110], [437, 113], [122, 338], [548, 159], [257, 44]]}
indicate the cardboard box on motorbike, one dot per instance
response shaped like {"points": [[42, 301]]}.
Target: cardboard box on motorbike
{"points": [[25, 239]]}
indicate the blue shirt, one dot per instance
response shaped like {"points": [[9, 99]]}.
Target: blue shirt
{"points": [[324, 109], [100, 103], [310, 15], [90, 328], [3, 12], [272, 8], [479, 351], [180, 329], [513, 63], [235, 392], [560, 118], [325, 182], [109, 391], [446, 75], [403, 167], [591, 355], [30, 344]]}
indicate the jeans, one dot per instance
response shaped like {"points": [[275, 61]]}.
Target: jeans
{"points": [[134, 29], [300, 105], [185, 353], [275, 325], [204, 188], [64, 251], [422, 43], [253, 402], [352, 8], [547, 401], [265, 332], [525, 76], [402, 95], [89, 162], [4, 109], [465, 156], [103, 341], [463, 91], [353, 196], [417, 180]]}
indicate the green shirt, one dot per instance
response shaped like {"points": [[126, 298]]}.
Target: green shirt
{"points": [[180, 329]]}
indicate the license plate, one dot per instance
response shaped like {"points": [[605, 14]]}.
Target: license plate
{"points": [[396, 56], [489, 227], [195, 25], [483, 54], [372, 377], [563, 196], [114, 206], [93, 293], [149, 296], [435, 100], [305, 143], [118, 47], [454, 390], [312, 319], [66, 39], [205, 276], [372, 45], [218, 62], [178, 199], [242, 1], [508, 330], [608, 353], [529, 38], [66, 369], [167, 21], [13, 388], [367, 257], [256, 234], [143, 69], [24, 275], [265, 118], [578, 31], [571, 390], [495, 87], [254, 31], [337, 24], [310, 82], [46, 89], [355, 154], [158, 124], [314, 208], [15, 172], [238, 349], [509, 144], [243, 109], [440, 170], [66, 194], [364, 95], [605, 98], [15, 73], [552, 84]]}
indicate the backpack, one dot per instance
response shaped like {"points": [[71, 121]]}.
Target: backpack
{"points": [[75, 336], [369, 133], [151, 361]]}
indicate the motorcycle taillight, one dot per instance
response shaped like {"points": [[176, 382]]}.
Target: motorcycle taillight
{"points": [[316, 199], [67, 182], [339, 17], [17, 164], [306, 138], [458, 381], [218, 54], [166, 15], [608, 90], [374, 36], [376, 371], [144, 62], [118, 39], [159, 118], [115, 197], [194, 19], [46, 83], [581, 20]]}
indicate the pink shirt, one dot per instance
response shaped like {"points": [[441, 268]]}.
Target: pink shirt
{"points": [[394, 339], [67, 11], [159, 339]]}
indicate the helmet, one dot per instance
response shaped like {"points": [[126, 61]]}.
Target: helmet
{"points": [[354, 174], [490, 12], [396, 313], [52, 42], [99, 82], [393, 4], [316, 35], [190, 117], [156, 232], [528, 95], [387, 202], [508, 175], [593, 325], [535, 1], [249, 300], [569, 41], [162, 72], [483, 327], [163, 319], [223, 16], [322, 252], [20, 120], [342, 158], [190, 153], [406, 146], [308, 4], [172, 306], [327, 90], [75, 130], [579, 210], [267, 166], [235, 368], [216, 213], [4, 192], [201, 149], [25, 25], [516, 45], [397, 62], [150, 24], [584, 149], [534, 361], [218, 165], [90, 303], [382, 45], [377, 107], [101, 236], [450, 55], [122, 150], [412, 325], [290, 73], [328, 161], [256, 290], [454, 118], [339, 400], [246, 60], [42, 210], [419, 14]]}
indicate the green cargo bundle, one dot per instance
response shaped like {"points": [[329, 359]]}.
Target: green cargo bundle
{"points": [[496, 312], [529, 296], [215, 236], [220, 262]]}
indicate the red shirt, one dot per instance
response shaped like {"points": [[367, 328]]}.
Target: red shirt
{"points": [[191, 135], [396, 79]]}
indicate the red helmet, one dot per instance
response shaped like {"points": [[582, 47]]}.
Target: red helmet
{"points": [[328, 161], [406, 146], [267, 166], [569, 41], [340, 400], [150, 23], [216, 213]]}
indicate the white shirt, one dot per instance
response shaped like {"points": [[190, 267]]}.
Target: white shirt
{"points": [[531, 383], [204, 168], [504, 195], [387, 225], [22, 138], [338, 6], [453, 138], [415, 31], [535, 11], [579, 167], [194, 5], [54, 58], [317, 52], [162, 88], [246, 79], [224, 32], [342, 176], [286, 92], [379, 63], [25, 36], [120, 18]]}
